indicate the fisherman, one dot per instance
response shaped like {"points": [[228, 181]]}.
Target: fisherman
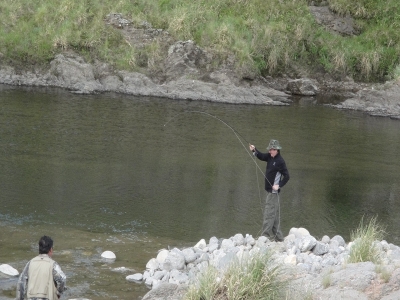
{"points": [[276, 176], [42, 277]]}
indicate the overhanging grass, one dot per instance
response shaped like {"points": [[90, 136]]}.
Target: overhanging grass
{"points": [[265, 36]]}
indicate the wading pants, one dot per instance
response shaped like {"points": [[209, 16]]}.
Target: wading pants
{"points": [[271, 222]]}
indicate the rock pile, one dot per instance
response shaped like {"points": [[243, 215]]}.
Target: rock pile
{"points": [[308, 260]]}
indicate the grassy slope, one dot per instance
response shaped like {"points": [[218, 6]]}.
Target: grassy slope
{"points": [[266, 36]]}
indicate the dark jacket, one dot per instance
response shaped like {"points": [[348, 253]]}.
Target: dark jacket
{"points": [[276, 171]]}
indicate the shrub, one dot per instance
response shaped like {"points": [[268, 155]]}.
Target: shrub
{"points": [[364, 239], [254, 278]]}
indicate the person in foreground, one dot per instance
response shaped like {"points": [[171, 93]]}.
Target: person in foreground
{"points": [[276, 176], [42, 277]]}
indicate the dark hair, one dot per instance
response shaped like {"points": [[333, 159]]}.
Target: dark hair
{"points": [[45, 244]]}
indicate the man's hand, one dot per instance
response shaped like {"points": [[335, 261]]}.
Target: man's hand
{"points": [[252, 148], [275, 187]]}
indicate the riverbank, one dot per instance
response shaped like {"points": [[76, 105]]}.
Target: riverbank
{"points": [[314, 269], [71, 72]]}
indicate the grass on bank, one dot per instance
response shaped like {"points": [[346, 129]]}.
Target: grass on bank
{"points": [[253, 278], [265, 36], [364, 239]]}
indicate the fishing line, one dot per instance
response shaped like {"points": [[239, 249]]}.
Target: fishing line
{"points": [[239, 137], [210, 115]]}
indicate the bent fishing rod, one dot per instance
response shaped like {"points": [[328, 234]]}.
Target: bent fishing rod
{"points": [[237, 134]]}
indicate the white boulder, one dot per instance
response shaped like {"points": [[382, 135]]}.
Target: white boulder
{"points": [[108, 255], [7, 269]]}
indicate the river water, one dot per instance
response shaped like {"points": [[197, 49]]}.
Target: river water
{"points": [[135, 175]]}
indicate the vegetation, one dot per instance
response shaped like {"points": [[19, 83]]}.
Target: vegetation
{"points": [[265, 36], [364, 239], [327, 279], [384, 273], [254, 278]]}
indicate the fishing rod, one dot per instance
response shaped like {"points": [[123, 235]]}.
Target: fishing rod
{"points": [[238, 136]]}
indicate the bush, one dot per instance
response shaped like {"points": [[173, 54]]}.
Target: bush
{"points": [[254, 278], [364, 239]]}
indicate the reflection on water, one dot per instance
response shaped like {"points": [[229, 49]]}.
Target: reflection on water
{"points": [[102, 172]]}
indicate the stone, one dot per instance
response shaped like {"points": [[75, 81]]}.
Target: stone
{"points": [[190, 255], [162, 255], [174, 260], [168, 291], [250, 240], [135, 277], [339, 239], [307, 243], [357, 276], [227, 244], [201, 244], [303, 87], [152, 264], [320, 248], [8, 270], [325, 239], [108, 255], [238, 239], [291, 259]]}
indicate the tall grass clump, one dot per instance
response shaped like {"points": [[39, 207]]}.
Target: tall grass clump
{"points": [[254, 278], [364, 239]]}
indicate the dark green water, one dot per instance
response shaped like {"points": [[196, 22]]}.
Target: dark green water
{"points": [[102, 172]]}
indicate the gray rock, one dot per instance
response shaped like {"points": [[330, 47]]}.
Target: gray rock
{"points": [[325, 239], [356, 276], [226, 260], [320, 248], [250, 240], [152, 264], [303, 87], [227, 244], [238, 239], [333, 293], [190, 255], [307, 243], [166, 291], [201, 258], [395, 295], [329, 260], [135, 277], [213, 240], [174, 260], [339, 239], [158, 275]]}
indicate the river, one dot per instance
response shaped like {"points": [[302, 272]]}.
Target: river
{"points": [[134, 175]]}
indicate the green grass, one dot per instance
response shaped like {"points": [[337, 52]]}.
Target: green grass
{"points": [[255, 278], [364, 238], [264, 36]]}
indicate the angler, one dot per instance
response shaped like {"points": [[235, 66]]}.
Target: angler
{"points": [[276, 176]]}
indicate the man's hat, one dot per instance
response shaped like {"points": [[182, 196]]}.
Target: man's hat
{"points": [[274, 144]]}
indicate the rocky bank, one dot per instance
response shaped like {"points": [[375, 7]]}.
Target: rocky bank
{"points": [[185, 71], [316, 269]]}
